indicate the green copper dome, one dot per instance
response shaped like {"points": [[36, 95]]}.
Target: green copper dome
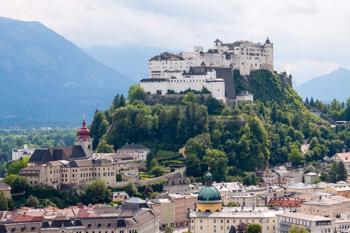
{"points": [[209, 192]]}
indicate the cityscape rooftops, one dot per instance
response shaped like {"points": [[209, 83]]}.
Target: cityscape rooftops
{"points": [[303, 216], [133, 146], [41, 156]]}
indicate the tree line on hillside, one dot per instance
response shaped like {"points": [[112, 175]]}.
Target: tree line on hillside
{"points": [[16, 138], [336, 110], [234, 140]]}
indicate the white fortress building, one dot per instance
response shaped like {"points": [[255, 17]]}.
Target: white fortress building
{"points": [[196, 70]]}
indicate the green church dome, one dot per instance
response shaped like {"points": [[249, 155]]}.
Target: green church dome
{"points": [[209, 192]]}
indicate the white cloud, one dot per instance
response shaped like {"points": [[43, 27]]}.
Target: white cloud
{"points": [[302, 30]]}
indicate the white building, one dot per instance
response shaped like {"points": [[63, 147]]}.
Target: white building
{"points": [[312, 223], [136, 151], [196, 78], [245, 56], [231, 219], [26, 152], [244, 96], [196, 69]]}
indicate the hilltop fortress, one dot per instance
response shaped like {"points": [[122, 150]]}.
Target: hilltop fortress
{"points": [[210, 71]]}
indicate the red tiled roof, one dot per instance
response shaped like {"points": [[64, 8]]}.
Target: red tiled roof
{"points": [[27, 218], [286, 202]]}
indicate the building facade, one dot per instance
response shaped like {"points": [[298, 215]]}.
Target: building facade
{"points": [[312, 223], [134, 216], [24, 152], [135, 151], [244, 56], [198, 70]]}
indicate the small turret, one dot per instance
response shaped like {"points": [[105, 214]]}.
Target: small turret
{"points": [[267, 41]]}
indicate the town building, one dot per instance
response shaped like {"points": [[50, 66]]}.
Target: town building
{"points": [[119, 196], [165, 208], [200, 79], [328, 206], [66, 173], [345, 158], [179, 184], [183, 204], [312, 223], [24, 152], [342, 224], [210, 216], [292, 204], [134, 216], [340, 188], [311, 178], [5, 189], [306, 191], [173, 209], [136, 151]]}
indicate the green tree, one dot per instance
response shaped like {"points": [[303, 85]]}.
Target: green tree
{"points": [[20, 185], [99, 128], [157, 171], [214, 106], [10, 178], [97, 192], [168, 230], [104, 147], [295, 156], [15, 166], [198, 145], [4, 202], [118, 101], [136, 92], [194, 121], [254, 228], [341, 171], [295, 229], [32, 201], [193, 167], [217, 161], [131, 190]]}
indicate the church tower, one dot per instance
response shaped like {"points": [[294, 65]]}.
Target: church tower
{"points": [[83, 139], [209, 198]]}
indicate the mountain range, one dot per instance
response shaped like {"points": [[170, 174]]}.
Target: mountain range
{"points": [[130, 61], [46, 79], [335, 85]]}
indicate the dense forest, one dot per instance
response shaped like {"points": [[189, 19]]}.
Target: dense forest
{"points": [[234, 140], [35, 138]]}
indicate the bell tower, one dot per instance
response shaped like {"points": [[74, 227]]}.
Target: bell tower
{"points": [[83, 139]]}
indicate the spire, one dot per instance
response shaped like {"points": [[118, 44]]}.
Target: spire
{"points": [[84, 121], [208, 178], [267, 41], [84, 132]]}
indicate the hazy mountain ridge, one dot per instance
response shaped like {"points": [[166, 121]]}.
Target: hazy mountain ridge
{"points": [[45, 77], [327, 87], [131, 61]]}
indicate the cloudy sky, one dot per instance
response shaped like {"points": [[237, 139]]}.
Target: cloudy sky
{"points": [[311, 37]]}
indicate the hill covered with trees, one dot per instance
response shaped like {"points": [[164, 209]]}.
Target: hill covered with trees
{"points": [[234, 140]]}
